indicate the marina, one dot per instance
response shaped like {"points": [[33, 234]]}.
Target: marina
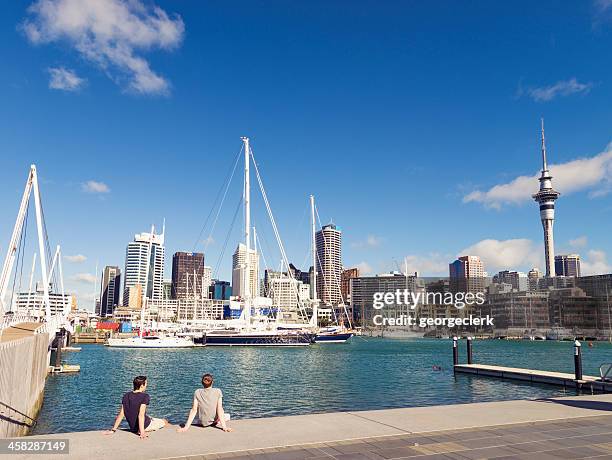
{"points": [[322, 378]]}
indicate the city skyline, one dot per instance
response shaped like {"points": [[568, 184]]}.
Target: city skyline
{"points": [[384, 181]]}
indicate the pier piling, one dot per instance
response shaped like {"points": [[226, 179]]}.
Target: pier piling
{"points": [[59, 339], [469, 350], [455, 352], [578, 363]]}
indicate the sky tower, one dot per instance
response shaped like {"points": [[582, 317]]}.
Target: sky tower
{"points": [[546, 197]]}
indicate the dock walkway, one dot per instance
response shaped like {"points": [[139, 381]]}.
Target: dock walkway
{"points": [[535, 376], [19, 331], [572, 427]]}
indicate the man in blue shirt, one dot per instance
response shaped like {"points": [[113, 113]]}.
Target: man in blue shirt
{"points": [[134, 408]]}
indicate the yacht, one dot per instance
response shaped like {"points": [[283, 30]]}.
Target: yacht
{"points": [[151, 341]]}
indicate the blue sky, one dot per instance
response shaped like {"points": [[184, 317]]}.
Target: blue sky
{"points": [[400, 117]]}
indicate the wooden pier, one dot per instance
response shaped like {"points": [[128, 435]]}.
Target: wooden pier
{"points": [[536, 376]]}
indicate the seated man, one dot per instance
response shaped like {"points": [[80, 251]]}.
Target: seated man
{"points": [[134, 408], [208, 404]]}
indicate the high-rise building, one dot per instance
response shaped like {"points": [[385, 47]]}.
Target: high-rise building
{"points": [[137, 266], [207, 279], [220, 290], [110, 289], [345, 283], [546, 198], [533, 277], [567, 265], [239, 276], [328, 243], [167, 289], [188, 275], [467, 274]]}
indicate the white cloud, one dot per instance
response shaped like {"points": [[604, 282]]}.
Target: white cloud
{"points": [[561, 88], [596, 263], [64, 79], [372, 241], [77, 259], [515, 254], [583, 173], [579, 242], [432, 265], [364, 268], [603, 5], [110, 34], [84, 278], [92, 186]]}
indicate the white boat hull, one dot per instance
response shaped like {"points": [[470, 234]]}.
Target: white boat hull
{"points": [[144, 342]]}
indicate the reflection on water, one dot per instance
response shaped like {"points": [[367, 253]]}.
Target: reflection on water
{"points": [[261, 382]]}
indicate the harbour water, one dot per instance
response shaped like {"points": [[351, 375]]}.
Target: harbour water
{"points": [[366, 373]]}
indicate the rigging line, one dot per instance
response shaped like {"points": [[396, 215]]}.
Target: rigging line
{"points": [[214, 225], [275, 229], [229, 175], [227, 236]]}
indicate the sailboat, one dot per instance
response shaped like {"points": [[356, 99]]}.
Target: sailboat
{"points": [[248, 332], [149, 341]]}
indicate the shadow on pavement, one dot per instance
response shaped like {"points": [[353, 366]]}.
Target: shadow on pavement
{"points": [[580, 403]]}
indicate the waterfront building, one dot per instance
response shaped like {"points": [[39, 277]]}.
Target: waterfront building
{"points": [[109, 292], [467, 274], [518, 280], [32, 303], [285, 292], [567, 265], [546, 198], [137, 266], [328, 243], [239, 277], [220, 290], [533, 278], [515, 312], [599, 286], [572, 308], [188, 275], [345, 283], [365, 287]]}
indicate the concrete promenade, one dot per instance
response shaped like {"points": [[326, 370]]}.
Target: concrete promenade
{"points": [[571, 427]]}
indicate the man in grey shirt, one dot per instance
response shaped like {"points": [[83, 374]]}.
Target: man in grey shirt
{"points": [[208, 405]]}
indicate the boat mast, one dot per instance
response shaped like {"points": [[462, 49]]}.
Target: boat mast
{"points": [[247, 233], [313, 280]]}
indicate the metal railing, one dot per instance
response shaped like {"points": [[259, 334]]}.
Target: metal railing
{"points": [[8, 413]]}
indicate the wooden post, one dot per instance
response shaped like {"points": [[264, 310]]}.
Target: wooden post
{"points": [[455, 352], [469, 350], [578, 363]]}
